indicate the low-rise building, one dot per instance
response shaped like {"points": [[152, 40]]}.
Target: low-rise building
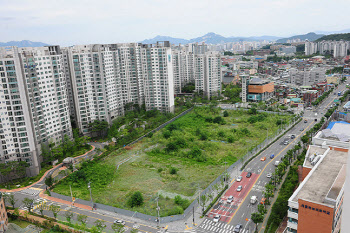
{"points": [[333, 79], [3, 215], [260, 90]]}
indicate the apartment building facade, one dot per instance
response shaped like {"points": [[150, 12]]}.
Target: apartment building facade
{"points": [[307, 77], [336, 48], [33, 103]]}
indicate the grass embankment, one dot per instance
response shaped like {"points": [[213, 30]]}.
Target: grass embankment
{"points": [[181, 159]]}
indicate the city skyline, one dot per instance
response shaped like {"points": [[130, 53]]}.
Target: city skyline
{"points": [[51, 22]]}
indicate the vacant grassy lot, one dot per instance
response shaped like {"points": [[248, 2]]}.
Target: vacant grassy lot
{"points": [[182, 159]]}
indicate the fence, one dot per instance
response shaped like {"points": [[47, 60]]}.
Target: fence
{"points": [[194, 204]]}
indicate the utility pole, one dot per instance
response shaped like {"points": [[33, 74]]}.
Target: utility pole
{"points": [[226, 175], [71, 194], [92, 204], [193, 216], [158, 208]]}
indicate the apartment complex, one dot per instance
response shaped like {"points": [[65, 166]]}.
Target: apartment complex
{"points": [[192, 64], [317, 204], [34, 103], [106, 79], [337, 48]]}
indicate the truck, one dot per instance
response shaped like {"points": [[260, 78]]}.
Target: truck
{"points": [[253, 199]]}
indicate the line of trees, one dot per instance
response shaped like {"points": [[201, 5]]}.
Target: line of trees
{"points": [[13, 170], [322, 97]]}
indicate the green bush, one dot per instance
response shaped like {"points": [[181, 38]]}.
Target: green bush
{"points": [[219, 120], [173, 171], [184, 203], [136, 199], [226, 114], [166, 134]]}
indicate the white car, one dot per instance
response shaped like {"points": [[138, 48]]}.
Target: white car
{"points": [[119, 222], [217, 218], [229, 199], [239, 179], [239, 188], [269, 175]]}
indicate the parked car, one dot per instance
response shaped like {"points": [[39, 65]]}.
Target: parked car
{"points": [[229, 199], [238, 228], [293, 136], [277, 163], [239, 179], [269, 175], [253, 199], [263, 158], [305, 121], [249, 174], [217, 218], [239, 188], [285, 142], [272, 156]]}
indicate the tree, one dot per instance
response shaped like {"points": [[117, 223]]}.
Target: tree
{"points": [[10, 198], [118, 228], [82, 219], [69, 216], [134, 231], [257, 218], [225, 113], [28, 203], [136, 199], [55, 209], [261, 209], [100, 225], [42, 206], [202, 200], [49, 181]]}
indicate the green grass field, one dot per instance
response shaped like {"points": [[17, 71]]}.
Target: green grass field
{"points": [[194, 146]]}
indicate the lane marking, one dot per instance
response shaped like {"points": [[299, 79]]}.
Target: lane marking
{"points": [[239, 206]]}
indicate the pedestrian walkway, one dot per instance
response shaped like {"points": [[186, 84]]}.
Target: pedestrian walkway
{"points": [[57, 200]]}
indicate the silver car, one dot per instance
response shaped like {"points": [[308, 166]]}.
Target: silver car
{"points": [[239, 188], [217, 218], [230, 199], [269, 175], [239, 179]]}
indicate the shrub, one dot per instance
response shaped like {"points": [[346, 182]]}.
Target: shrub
{"points": [[181, 142], [166, 134], [225, 113], [219, 120], [160, 170], [171, 146], [221, 134], [136, 199], [173, 171], [184, 203], [171, 127], [209, 119], [231, 139], [150, 135], [203, 137]]}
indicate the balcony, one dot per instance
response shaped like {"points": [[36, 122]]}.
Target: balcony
{"points": [[292, 225], [292, 215]]}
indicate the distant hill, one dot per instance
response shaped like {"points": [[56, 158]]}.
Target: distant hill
{"points": [[310, 36], [333, 32], [23, 43], [342, 36], [172, 40], [209, 38]]}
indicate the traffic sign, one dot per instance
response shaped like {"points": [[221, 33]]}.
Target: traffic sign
{"points": [[73, 198]]}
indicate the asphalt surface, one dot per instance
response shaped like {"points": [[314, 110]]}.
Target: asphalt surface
{"points": [[240, 210]]}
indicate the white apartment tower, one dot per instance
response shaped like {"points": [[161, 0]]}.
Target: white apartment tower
{"points": [[33, 103]]}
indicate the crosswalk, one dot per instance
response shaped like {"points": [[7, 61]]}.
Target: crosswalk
{"points": [[40, 202], [217, 227], [31, 191]]}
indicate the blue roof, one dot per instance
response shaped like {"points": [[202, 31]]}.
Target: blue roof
{"points": [[330, 126]]}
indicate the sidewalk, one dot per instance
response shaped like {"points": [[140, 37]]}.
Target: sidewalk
{"points": [[45, 174]]}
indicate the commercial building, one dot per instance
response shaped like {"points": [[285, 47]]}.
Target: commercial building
{"points": [[317, 204], [260, 90], [307, 77], [33, 103]]}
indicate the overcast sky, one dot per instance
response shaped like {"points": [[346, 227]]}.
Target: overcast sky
{"points": [[68, 22]]}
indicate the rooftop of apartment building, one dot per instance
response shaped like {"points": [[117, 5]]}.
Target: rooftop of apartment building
{"points": [[325, 181], [258, 81], [336, 131]]}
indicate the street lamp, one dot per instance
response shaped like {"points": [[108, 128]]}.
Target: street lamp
{"points": [[92, 204], [158, 209], [226, 175]]}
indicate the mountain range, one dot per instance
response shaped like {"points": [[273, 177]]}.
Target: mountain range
{"points": [[23, 43], [311, 36], [209, 38]]}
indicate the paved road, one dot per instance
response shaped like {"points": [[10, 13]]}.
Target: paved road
{"points": [[239, 211]]}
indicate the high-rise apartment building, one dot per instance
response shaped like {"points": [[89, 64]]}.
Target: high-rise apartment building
{"points": [[107, 79], [33, 103], [337, 48]]}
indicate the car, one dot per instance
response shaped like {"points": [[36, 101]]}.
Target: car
{"points": [[285, 142], [272, 156], [263, 200], [119, 222], [315, 119], [238, 228], [269, 175], [249, 174], [239, 188], [229, 199], [292, 136], [263, 158], [217, 218], [239, 179], [305, 121], [302, 129]]}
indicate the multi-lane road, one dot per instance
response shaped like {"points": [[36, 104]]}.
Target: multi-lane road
{"points": [[240, 210]]}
